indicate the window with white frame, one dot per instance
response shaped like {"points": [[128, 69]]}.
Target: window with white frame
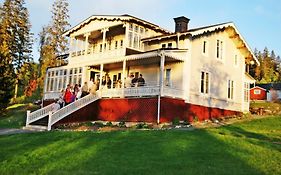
{"points": [[230, 89], [204, 86], [246, 91], [205, 47], [257, 91], [75, 76], [135, 34], [219, 49], [168, 77], [56, 80]]}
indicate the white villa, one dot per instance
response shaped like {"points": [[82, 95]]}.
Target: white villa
{"points": [[200, 72]]}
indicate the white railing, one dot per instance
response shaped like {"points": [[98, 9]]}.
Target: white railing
{"points": [[131, 91], [51, 95], [172, 92], [65, 111], [38, 114]]}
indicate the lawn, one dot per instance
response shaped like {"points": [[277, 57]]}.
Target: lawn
{"points": [[252, 147], [15, 116]]}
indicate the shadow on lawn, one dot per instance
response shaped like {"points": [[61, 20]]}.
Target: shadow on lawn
{"points": [[259, 139], [127, 152]]}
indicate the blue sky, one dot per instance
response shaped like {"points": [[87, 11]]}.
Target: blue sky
{"points": [[259, 21]]}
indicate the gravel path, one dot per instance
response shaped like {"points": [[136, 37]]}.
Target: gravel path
{"points": [[14, 131]]}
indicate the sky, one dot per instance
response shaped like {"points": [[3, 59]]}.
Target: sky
{"points": [[259, 21]]}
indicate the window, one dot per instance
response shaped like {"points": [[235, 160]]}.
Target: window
{"points": [[246, 92], [130, 39], [163, 45], [136, 41], [204, 83], [219, 49], [205, 47], [136, 29], [230, 89], [131, 27], [168, 77], [100, 47], [121, 43], [236, 60], [170, 45], [257, 91], [116, 44]]}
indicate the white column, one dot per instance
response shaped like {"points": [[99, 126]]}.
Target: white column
{"points": [[71, 47], [49, 121], [84, 71], [103, 37], [125, 42], [86, 42], [123, 73], [161, 78], [101, 74]]}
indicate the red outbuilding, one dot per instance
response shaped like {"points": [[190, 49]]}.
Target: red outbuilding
{"points": [[258, 93]]}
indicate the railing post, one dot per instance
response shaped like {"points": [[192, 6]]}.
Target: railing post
{"points": [[27, 117], [49, 121]]}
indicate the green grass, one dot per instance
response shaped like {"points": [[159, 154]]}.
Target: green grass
{"points": [[15, 116], [243, 148]]}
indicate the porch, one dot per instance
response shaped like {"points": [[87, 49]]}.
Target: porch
{"points": [[163, 71]]}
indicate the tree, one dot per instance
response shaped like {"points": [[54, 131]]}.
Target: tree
{"points": [[269, 69], [6, 68], [17, 35], [52, 43]]}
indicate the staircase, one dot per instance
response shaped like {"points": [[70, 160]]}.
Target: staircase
{"points": [[44, 118]]}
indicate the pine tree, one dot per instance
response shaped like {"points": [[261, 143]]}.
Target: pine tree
{"points": [[6, 67], [16, 27], [52, 43]]}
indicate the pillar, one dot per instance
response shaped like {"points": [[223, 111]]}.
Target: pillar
{"points": [[123, 73], [87, 42], [161, 78], [101, 74], [104, 30]]}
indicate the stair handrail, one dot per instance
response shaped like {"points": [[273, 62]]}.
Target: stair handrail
{"points": [[72, 107], [38, 114]]}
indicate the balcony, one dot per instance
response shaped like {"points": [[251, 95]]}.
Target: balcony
{"points": [[87, 57]]}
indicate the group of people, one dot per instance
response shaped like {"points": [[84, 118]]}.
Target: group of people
{"points": [[132, 81], [70, 94], [67, 96]]}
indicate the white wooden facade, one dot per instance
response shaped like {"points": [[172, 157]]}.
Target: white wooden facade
{"points": [[204, 66]]}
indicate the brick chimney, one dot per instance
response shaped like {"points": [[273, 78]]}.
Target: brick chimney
{"points": [[181, 24]]}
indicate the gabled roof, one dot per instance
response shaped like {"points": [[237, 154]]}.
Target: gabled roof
{"points": [[124, 17], [258, 88], [205, 30]]}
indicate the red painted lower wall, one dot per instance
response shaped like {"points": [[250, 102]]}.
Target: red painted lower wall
{"points": [[144, 109]]}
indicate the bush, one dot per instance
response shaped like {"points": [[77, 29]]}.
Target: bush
{"points": [[109, 124], [142, 126], [186, 122], [176, 121], [98, 124], [122, 124], [195, 119]]}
